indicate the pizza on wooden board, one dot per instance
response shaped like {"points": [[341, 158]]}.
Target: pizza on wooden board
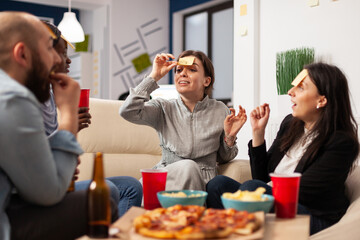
{"points": [[194, 222]]}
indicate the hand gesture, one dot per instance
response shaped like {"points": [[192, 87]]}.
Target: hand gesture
{"points": [[84, 118], [67, 94], [259, 118], [233, 123], [162, 65], [66, 90]]}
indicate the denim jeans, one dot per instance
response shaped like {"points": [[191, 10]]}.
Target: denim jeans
{"points": [[125, 191], [221, 184]]}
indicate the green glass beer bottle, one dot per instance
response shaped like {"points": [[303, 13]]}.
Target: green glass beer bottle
{"points": [[99, 212]]}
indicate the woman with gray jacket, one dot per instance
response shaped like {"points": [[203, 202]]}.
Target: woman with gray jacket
{"points": [[195, 131]]}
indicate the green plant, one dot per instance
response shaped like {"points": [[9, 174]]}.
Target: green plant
{"points": [[288, 66]]}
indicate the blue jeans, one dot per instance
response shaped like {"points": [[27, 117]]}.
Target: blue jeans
{"points": [[221, 184], [125, 191]]}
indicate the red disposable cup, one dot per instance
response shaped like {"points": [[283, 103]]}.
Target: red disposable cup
{"points": [[286, 193], [154, 180], [84, 98]]}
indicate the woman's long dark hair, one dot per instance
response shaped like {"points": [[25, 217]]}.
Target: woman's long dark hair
{"points": [[335, 116]]}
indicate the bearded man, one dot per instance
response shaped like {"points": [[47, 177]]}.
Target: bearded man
{"points": [[35, 171], [126, 191]]}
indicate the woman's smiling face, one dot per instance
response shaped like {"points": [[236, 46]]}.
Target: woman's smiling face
{"points": [[191, 80]]}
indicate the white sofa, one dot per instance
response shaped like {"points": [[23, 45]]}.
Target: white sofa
{"points": [[128, 147]]}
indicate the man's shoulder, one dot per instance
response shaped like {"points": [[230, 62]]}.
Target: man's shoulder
{"points": [[10, 89]]}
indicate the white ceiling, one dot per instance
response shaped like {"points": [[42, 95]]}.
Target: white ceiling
{"points": [[79, 4]]}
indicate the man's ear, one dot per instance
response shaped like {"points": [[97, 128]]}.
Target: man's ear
{"points": [[22, 54]]}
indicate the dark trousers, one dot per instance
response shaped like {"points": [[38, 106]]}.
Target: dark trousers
{"points": [[221, 184], [65, 220]]}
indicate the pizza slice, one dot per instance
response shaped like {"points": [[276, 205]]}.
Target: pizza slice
{"points": [[202, 230], [243, 222], [213, 224], [165, 222], [149, 224]]}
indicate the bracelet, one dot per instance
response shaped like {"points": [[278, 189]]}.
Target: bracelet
{"points": [[228, 140]]}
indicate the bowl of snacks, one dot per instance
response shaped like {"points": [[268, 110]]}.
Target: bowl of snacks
{"points": [[183, 197], [248, 201]]}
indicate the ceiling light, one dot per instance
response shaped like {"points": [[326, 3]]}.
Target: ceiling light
{"points": [[70, 27]]}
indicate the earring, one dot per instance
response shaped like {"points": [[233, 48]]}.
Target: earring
{"points": [[317, 107]]}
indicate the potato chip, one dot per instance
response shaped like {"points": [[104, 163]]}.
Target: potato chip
{"points": [[246, 195], [175, 194], [181, 194]]}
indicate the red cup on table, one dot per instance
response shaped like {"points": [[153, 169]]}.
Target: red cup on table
{"points": [[154, 181], [286, 193], [84, 98]]}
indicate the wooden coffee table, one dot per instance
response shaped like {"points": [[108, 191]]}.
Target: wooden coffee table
{"points": [[295, 229], [275, 228]]}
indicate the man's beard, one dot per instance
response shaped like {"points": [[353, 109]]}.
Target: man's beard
{"points": [[37, 80]]}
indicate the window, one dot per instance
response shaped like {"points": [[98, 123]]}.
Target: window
{"points": [[211, 31]]}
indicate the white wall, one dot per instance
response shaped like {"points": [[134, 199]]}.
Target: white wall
{"points": [[137, 27], [120, 31], [332, 28], [246, 66], [100, 50]]}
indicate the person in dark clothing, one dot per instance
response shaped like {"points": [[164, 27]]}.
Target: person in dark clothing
{"points": [[319, 140]]}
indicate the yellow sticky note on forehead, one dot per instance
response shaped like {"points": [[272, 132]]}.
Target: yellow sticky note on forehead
{"points": [[50, 31], [187, 61], [71, 45], [300, 77]]}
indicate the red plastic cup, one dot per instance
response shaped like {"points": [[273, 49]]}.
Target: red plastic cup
{"points": [[286, 193], [84, 98], [154, 180]]}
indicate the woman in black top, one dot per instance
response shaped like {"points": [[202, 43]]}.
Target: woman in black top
{"points": [[319, 140]]}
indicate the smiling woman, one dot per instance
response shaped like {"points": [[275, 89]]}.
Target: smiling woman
{"points": [[193, 81], [195, 132]]}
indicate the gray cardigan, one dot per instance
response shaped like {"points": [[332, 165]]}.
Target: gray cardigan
{"points": [[197, 135]]}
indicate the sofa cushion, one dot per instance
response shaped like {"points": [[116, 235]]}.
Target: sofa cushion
{"points": [[110, 133], [353, 184], [348, 226], [117, 164], [127, 147], [236, 169]]}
